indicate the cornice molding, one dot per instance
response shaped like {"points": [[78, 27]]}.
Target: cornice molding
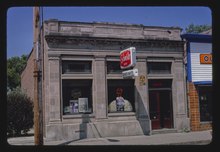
{"points": [[111, 44], [53, 58]]}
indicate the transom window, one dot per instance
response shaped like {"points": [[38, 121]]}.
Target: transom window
{"points": [[69, 67], [159, 67], [113, 67], [159, 83]]}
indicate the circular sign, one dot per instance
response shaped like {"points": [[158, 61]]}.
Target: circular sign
{"points": [[142, 80]]}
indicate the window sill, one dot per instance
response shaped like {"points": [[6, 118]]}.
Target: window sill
{"points": [[113, 76], [78, 116], [76, 76], [121, 114], [205, 122]]}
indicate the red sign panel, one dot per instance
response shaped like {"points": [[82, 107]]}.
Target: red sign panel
{"points": [[127, 58]]}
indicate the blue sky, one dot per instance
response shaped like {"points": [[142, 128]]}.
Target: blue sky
{"points": [[20, 20]]}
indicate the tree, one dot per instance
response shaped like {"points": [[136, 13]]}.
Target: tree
{"points": [[197, 28], [15, 65], [19, 113]]}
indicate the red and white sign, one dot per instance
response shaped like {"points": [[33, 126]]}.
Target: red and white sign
{"points": [[128, 58]]}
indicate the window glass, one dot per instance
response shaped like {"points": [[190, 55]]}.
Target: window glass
{"points": [[121, 96], [113, 67], [159, 67], [76, 67], [77, 96], [205, 102]]}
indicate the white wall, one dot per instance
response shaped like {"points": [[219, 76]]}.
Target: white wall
{"points": [[200, 72]]}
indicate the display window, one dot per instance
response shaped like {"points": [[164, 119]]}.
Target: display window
{"points": [[205, 103], [121, 96], [77, 96]]}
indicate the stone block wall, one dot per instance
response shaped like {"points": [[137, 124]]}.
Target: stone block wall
{"points": [[101, 41]]}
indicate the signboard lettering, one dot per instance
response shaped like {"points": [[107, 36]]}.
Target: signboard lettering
{"points": [[205, 58], [128, 58], [130, 73]]}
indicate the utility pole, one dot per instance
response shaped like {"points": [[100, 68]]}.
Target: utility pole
{"points": [[38, 127]]}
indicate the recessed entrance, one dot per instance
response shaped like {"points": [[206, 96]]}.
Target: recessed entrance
{"points": [[160, 102]]}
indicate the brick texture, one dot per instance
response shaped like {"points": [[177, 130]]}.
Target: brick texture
{"points": [[194, 112], [27, 76]]}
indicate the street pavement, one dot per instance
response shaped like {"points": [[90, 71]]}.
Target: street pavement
{"points": [[184, 138]]}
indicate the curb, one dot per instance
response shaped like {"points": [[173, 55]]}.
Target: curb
{"points": [[200, 142], [195, 138]]}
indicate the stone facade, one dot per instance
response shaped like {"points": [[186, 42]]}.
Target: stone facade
{"points": [[99, 43]]}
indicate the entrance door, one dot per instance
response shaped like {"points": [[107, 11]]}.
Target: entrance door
{"points": [[160, 102]]}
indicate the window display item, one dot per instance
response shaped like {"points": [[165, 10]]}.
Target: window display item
{"points": [[74, 106], [112, 107], [120, 103], [83, 104], [67, 109], [75, 94]]}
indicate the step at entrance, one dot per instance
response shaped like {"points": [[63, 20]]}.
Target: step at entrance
{"points": [[164, 131]]}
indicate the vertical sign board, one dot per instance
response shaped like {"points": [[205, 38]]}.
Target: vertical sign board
{"points": [[128, 58]]}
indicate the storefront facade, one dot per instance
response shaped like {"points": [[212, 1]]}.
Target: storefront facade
{"points": [[82, 80], [199, 80]]}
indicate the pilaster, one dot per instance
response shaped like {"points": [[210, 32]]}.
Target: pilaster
{"points": [[54, 89], [99, 87]]}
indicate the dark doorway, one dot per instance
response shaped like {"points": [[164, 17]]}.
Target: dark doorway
{"points": [[160, 102]]}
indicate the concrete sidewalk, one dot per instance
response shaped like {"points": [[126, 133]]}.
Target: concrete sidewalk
{"points": [[190, 138]]}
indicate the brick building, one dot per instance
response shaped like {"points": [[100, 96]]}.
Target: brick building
{"points": [[27, 79], [82, 80], [198, 52]]}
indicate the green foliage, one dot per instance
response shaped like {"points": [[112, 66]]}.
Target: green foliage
{"points": [[197, 28], [15, 66], [19, 113]]}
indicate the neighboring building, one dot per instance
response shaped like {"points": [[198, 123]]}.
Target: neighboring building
{"points": [[199, 79], [82, 79], [27, 76]]}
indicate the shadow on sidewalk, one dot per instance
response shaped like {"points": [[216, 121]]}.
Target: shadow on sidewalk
{"points": [[144, 117], [113, 140]]}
